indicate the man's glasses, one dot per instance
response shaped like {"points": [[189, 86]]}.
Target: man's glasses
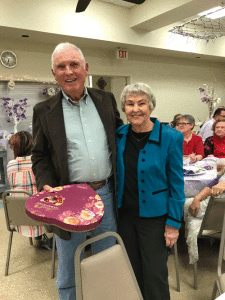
{"points": [[180, 124]]}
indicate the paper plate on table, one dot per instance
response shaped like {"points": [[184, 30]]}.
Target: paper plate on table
{"points": [[74, 207], [193, 171], [211, 158]]}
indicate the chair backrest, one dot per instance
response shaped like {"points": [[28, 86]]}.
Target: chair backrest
{"points": [[222, 248], [14, 207], [106, 275], [213, 218]]}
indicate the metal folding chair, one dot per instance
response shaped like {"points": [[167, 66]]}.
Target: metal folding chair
{"points": [[106, 275], [220, 282], [176, 266], [14, 208], [212, 224]]}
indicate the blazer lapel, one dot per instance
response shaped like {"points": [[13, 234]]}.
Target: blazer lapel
{"points": [[105, 115], [55, 122]]}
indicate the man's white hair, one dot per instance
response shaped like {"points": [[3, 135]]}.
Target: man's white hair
{"points": [[63, 46]]}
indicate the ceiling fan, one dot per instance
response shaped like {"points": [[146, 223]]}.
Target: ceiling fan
{"points": [[83, 4]]}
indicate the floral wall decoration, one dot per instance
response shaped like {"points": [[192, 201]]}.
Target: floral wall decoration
{"points": [[51, 91], [209, 97], [15, 112]]}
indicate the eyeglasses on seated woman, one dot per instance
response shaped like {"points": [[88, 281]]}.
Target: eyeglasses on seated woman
{"points": [[193, 145], [150, 189]]}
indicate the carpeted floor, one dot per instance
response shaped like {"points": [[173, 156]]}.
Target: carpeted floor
{"points": [[30, 269]]}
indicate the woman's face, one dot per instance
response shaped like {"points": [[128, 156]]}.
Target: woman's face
{"points": [[220, 129], [137, 109], [184, 126]]}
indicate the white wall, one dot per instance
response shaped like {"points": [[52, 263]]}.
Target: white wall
{"points": [[174, 81]]}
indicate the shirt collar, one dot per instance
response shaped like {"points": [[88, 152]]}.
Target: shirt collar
{"points": [[83, 98]]}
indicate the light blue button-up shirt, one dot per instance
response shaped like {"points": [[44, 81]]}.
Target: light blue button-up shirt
{"points": [[89, 155]]}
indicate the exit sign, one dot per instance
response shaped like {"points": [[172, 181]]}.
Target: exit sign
{"points": [[121, 54]]}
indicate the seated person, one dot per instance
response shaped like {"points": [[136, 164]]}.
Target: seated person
{"points": [[21, 177], [176, 118], [215, 145], [194, 211], [193, 145]]}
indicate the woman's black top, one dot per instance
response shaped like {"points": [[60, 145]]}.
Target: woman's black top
{"points": [[134, 143]]}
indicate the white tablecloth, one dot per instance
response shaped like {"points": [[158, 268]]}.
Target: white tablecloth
{"points": [[195, 184]]}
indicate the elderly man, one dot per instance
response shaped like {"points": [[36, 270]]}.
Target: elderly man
{"points": [[206, 130], [74, 136]]}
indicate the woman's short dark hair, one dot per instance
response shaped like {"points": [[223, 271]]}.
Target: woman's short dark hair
{"points": [[175, 119], [21, 143], [189, 118], [216, 122]]}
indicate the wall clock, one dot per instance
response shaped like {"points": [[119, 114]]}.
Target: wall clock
{"points": [[8, 59]]}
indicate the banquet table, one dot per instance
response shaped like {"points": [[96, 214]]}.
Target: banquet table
{"points": [[196, 183]]}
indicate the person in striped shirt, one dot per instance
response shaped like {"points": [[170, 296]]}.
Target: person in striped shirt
{"points": [[21, 177]]}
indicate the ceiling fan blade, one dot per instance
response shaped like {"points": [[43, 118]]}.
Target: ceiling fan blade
{"points": [[82, 5], [135, 1]]}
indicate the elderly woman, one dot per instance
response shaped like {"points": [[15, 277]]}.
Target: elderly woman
{"points": [[176, 118], [215, 145], [21, 177], [193, 144], [150, 189]]}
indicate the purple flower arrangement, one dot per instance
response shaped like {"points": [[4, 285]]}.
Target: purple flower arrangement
{"points": [[44, 92], [15, 111], [205, 97], [208, 96]]}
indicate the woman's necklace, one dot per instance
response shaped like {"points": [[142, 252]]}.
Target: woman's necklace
{"points": [[141, 138]]}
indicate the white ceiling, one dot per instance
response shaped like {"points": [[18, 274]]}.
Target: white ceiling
{"points": [[147, 17], [120, 3]]}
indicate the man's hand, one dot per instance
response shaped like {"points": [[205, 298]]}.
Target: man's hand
{"points": [[194, 207], [48, 188], [171, 235]]}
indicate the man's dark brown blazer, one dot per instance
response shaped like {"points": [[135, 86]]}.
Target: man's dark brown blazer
{"points": [[49, 155]]}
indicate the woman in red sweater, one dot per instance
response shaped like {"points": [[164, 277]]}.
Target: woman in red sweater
{"points": [[193, 144], [215, 145]]}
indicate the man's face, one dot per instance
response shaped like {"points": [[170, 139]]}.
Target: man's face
{"points": [[70, 72], [221, 116]]}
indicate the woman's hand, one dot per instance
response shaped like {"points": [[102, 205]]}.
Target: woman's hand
{"points": [[193, 157], [194, 207], [171, 235]]}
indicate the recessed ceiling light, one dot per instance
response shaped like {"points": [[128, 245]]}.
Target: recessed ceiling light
{"points": [[214, 13], [25, 35]]}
